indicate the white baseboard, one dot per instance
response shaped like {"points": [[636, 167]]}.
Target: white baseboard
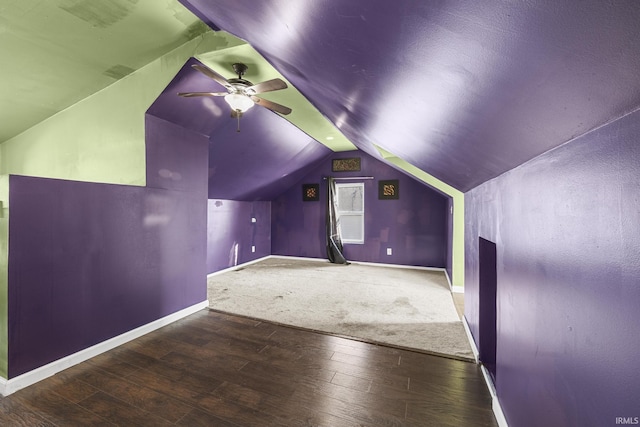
{"points": [[454, 289], [301, 258], [324, 260], [408, 267], [238, 267], [21, 381], [446, 273], [472, 342], [495, 402]]}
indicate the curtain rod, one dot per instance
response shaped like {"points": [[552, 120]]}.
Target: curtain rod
{"points": [[350, 177]]}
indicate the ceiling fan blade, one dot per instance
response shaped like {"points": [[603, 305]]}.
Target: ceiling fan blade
{"points": [[212, 75], [191, 94], [271, 105], [268, 86]]}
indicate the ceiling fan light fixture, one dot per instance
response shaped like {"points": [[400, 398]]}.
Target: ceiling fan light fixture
{"points": [[241, 94], [239, 102]]}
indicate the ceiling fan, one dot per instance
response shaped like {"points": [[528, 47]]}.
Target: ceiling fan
{"points": [[241, 93]]}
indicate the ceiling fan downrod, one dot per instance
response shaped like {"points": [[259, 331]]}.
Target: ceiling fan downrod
{"points": [[240, 69]]}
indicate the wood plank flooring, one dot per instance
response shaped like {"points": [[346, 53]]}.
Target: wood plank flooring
{"points": [[214, 369]]}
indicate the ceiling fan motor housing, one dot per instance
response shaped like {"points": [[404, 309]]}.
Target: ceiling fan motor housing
{"points": [[239, 88], [240, 69]]}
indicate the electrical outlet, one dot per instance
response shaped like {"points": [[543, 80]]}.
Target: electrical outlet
{"points": [[253, 248], [389, 251]]}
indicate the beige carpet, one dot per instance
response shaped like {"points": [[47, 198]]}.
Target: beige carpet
{"points": [[407, 308]]}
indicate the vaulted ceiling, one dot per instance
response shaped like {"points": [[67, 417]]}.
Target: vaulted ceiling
{"points": [[55, 53], [463, 90]]}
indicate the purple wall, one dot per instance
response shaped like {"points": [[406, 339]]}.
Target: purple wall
{"points": [[231, 233], [265, 158], [566, 225], [176, 157], [413, 226], [90, 261]]}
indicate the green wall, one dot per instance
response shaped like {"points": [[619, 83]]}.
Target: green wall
{"points": [[101, 138]]}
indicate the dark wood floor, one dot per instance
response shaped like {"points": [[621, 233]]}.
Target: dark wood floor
{"points": [[213, 369]]}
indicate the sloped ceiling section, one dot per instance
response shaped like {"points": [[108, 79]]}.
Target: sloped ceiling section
{"points": [[304, 115], [57, 52], [462, 90], [266, 157]]}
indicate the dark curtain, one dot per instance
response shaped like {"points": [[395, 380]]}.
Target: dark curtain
{"points": [[334, 241]]}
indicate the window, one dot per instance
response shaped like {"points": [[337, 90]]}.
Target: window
{"points": [[351, 212]]}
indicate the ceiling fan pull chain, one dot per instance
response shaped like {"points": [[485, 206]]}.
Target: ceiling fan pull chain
{"points": [[238, 115]]}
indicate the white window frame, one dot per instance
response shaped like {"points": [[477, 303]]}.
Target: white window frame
{"points": [[340, 213]]}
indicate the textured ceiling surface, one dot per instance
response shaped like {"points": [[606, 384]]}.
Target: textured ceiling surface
{"points": [[463, 90], [304, 115], [57, 52]]}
